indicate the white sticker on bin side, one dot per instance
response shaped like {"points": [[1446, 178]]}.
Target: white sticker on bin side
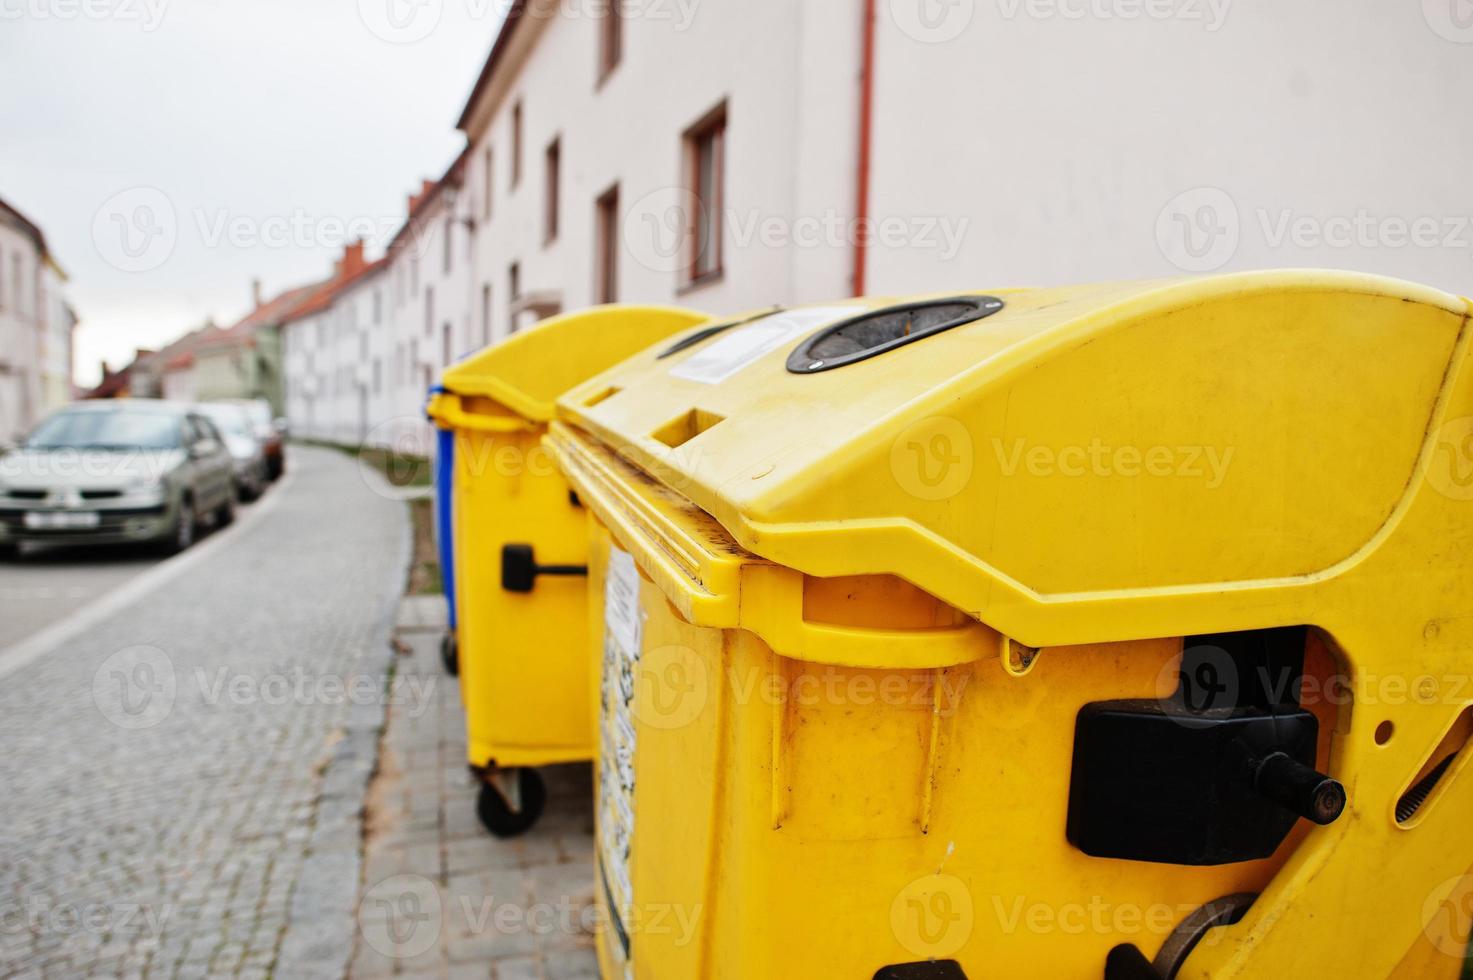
{"points": [[743, 345], [623, 637]]}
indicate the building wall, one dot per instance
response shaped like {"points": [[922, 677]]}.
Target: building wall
{"points": [[56, 341], [1027, 143], [180, 385], [790, 137], [1087, 149], [22, 316], [226, 372]]}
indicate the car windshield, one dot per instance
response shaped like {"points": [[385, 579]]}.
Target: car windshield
{"points": [[231, 420], [119, 429]]}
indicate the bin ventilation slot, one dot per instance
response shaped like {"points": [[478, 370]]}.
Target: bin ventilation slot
{"points": [[601, 396], [1435, 769], [877, 331], [682, 430]]}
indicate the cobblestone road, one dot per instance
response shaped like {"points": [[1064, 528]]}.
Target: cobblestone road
{"points": [[181, 785]]}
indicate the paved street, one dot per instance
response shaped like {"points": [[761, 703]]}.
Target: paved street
{"points": [[442, 898], [44, 586], [47, 584], [183, 779]]}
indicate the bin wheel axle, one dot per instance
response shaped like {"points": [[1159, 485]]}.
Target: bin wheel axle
{"points": [[511, 801]]}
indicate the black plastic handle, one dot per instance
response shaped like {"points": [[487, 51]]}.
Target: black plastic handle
{"points": [[519, 568]]}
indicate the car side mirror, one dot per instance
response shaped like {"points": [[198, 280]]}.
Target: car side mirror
{"points": [[204, 449]]}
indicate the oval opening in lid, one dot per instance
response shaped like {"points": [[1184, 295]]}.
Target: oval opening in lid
{"points": [[878, 331]]}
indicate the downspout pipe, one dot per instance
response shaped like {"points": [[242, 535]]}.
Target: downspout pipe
{"points": [[866, 132]]}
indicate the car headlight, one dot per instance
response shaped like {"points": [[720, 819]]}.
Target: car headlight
{"points": [[146, 487]]}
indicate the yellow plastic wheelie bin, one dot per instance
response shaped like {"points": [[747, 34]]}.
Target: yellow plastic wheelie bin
{"points": [[519, 548], [1105, 631]]}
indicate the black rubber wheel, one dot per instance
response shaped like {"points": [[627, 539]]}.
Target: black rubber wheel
{"points": [[498, 817], [450, 654], [225, 513], [185, 527]]}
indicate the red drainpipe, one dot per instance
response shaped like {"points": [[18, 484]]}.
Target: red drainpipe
{"points": [[866, 128]]}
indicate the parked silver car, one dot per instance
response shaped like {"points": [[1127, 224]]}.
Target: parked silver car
{"points": [[115, 472], [247, 449]]}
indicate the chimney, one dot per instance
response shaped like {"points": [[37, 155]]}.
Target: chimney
{"points": [[256, 294], [106, 371], [352, 261]]}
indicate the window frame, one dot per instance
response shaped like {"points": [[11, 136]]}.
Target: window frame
{"points": [[606, 246], [699, 268], [517, 123], [552, 162], [610, 40]]}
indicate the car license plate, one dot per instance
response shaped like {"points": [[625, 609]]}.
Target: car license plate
{"points": [[60, 520]]}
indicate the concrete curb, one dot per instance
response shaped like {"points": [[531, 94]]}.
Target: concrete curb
{"points": [[322, 922]]}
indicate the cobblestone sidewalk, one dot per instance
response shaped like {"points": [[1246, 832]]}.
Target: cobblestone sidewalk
{"points": [[441, 897]]}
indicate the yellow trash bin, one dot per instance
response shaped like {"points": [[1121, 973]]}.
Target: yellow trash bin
{"points": [[1106, 631], [518, 545]]}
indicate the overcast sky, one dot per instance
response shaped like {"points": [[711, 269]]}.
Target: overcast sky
{"points": [[172, 150]]}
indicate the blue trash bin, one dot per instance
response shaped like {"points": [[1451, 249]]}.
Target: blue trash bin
{"points": [[445, 536]]}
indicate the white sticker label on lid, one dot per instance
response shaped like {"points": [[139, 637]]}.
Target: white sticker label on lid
{"points": [[741, 346]]}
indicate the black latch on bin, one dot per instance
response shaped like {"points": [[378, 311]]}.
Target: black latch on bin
{"points": [[1214, 775], [519, 568]]}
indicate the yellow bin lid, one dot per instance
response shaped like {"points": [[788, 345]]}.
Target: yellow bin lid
{"points": [[1093, 446], [526, 372]]}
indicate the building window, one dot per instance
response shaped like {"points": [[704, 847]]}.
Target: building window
{"points": [[705, 151], [485, 314], [449, 239], [17, 281], [516, 144], [447, 346], [429, 309], [550, 209], [514, 294], [610, 38], [378, 307], [606, 260], [378, 375], [488, 184]]}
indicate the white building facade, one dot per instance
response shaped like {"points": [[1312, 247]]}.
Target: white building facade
{"points": [[731, 156], [359, 359], [958, 146], [35, 327]]}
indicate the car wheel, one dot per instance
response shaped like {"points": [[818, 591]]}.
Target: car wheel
{"points": [[184, 528], [499, 818], [225, 513]]}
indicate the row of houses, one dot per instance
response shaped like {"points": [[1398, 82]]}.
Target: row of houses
{"points": [[730, 156], [36, 327]]}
